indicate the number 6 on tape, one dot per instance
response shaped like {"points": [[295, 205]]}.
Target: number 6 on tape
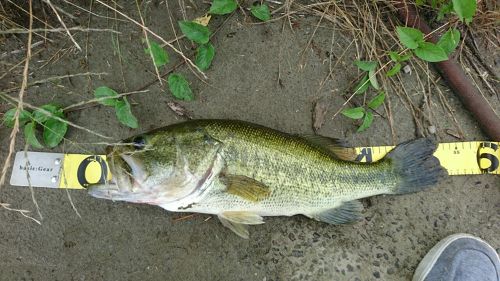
{"points": [[78, 171]]}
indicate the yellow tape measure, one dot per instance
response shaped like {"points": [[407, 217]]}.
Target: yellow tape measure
{"points": [[459, 158]]}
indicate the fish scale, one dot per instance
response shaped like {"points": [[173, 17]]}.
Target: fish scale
{"points": [[296, 172], [241, 171]]}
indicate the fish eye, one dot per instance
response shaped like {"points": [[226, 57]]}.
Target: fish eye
{"points": [[139, 142]]}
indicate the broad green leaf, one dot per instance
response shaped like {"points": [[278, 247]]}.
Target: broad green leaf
{"points": [[354, 113], [410, 37], [362, 85], [204, 56], [8, 117], [373, 79], [406, 57], [367, 122], [159, 55], [124, 114], [430, 52], [261, 12], [222, 7], [366, 65], [465, 9], [29, 135], [395, 57], [377, 101], [449, 41], [195, 31], [179, 87], [419, 2], [54, 131], [52, 109], [103, 92], [394, 70]]}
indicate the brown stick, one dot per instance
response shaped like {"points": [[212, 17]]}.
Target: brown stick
{"points": [[451, 71]]}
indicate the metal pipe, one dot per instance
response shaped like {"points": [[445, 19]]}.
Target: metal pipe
{"points": [[452, 73]]}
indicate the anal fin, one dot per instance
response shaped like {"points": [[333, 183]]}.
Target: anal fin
{"points": [[238, 221], [348, 212]]}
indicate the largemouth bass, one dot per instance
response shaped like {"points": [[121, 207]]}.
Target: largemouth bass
{"points": [[242, 172]]}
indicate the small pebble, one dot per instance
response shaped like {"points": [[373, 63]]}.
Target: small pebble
{"points": [[407, 69]]}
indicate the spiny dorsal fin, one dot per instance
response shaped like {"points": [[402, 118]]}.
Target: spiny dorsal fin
{"points": [[245, 187], [237, 221], [348, 212], [339, 147]]}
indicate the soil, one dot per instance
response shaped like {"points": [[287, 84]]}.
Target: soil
{"points": [[262, 73]]}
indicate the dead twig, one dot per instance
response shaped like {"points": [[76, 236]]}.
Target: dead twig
{"points": [[19, 107]]}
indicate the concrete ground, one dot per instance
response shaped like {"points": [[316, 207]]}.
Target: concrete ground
{"points": [[120, 241]]}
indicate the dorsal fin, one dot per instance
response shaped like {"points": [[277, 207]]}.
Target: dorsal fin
{"points": [[337, 146], [245, 187]]}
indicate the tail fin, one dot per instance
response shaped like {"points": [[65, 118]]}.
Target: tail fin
{"points": [[414, 163]]}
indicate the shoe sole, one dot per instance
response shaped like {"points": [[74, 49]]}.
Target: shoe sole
{"points": [[425, 266]]}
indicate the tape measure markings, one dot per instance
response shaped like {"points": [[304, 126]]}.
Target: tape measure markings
{"points": [[78, 170]]}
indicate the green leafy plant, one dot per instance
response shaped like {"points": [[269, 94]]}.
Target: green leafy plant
{"points": [[414, 39], [109, 97], [52, 118], [370, 67], [354, 113], [364, 113], [398, 59], [464, 9], [449, 41], [49, 116], [222, 7], [179, 87], [8, 117], [204, 55], [157, 53], [444, 10], [261, 12], [195, 31], [362, 85]]}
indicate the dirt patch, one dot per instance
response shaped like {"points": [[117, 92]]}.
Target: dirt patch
{"points": [[263, 74]]}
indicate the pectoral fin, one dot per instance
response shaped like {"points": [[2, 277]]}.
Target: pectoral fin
{"points": [[238, 221], [337, 146], [348, 212], [245, 187]]}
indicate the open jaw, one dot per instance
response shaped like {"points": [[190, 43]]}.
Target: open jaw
{"points": [[127, 175]]}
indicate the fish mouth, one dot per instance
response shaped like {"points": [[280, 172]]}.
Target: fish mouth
{"points": [[127, 175]]}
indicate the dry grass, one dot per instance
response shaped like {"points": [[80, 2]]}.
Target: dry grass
{"points": [[370, 26], [51, 21]]}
